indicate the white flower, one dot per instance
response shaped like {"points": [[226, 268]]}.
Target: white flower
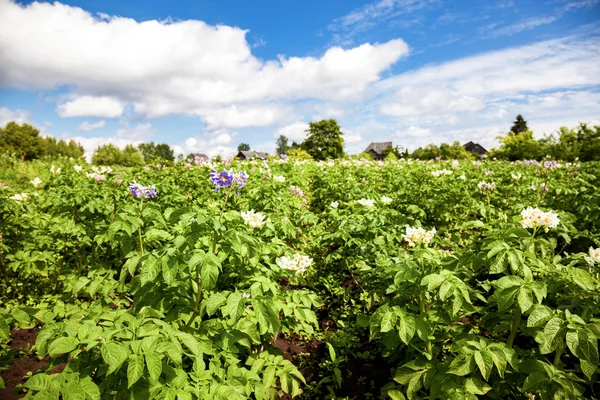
{"points": [[296, 191], [516, 176], [36, 182], [415, 236], [19, 196], [486, 187], [366, 202], [455, 164], [54, 170], [297, 263], [246, 295], [440, 172], [489, 173], [77, 168], [386, 200], [463, 177], [279, 178], [255, 220], [334, 204], [594, 257], [534, 218]]}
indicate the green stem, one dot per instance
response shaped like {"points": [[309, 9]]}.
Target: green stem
{"points": [[515, 327], [423, 315], [559, 350], [225, 203], [140, 228], [198, 299]]}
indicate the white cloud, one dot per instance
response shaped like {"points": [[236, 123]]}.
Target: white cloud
{"points": [[86, 126], [139, 132], [7, 115], [176, 68], [413, 131], [90, 106], [295, 132], [493, 31]]}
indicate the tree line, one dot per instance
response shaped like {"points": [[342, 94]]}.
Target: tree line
{"points": [[324, 140]]}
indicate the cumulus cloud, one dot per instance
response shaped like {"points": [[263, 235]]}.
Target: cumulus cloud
{"points": [[413, 131], [295, 132], [7, 115], [87, 126], [90, 106], [211, 144], [165, 67]]}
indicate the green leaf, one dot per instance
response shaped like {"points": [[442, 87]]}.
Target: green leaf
{"points": [[135, 369], [62, 345], [500, 360], [91, 390], [476, 386], [406, 328], [149, 270], [209, 275], [190, 342], [114, 354], [154, 365], [462, 365], [214, 302], [38, 382], [396, 395], [525, 299], [485, 362], [331, 351], [539, 316], [388, 321]]}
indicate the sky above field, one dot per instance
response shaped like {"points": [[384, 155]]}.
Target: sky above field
{"points": [[206, 75]]}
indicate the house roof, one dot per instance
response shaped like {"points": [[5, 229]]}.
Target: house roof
{"points": [[378, 147], [199, 155], [473, 146], [251, 154]]}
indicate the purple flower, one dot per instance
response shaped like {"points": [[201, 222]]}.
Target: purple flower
{"points": [[136, 189], [241, 178], [227, 178], [283, 156], [150, 192]]}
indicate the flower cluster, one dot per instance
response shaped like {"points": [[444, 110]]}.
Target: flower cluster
{"points": [[543, 187], [296, 191], [594, 257], [551, 164], [535, 218], [279, 178], [36, 182], [19, 196], [366, 202], [484, 186], [77, 168], [455, 164], [334, 204], [138, 190], [489, 173], [516, 176], [254, 219], [54, 170], [531, 162], [415, 236], [98, 174], [441, 172], [228, 178], [297, 263], [572, 165], [386, 200]]}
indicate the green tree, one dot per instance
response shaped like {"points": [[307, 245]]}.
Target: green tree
{"points": [[519, 147], [282, 145], [156, 152], [107, 154], [324, 140], [298, 154], [21, 140], [243, 147], [519, 126], [131, 157]]}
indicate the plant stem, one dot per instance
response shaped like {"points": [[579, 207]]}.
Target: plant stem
{"points": [[198, 298], [225, 203], [140, 228], [515, 327], [559, 350]]}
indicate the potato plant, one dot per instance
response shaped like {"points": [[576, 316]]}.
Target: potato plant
{"points": [[397, 279]]}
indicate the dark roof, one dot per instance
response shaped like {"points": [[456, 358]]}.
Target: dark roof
{"points": [[475, 148], [253, 154], [378, 148], [199, 155]]}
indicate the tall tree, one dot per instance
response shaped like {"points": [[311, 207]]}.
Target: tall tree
{"points": [[324, 140], [519, 126], [282, 145], [243, 147], [107, 154], [153, 152], [21, 140]]}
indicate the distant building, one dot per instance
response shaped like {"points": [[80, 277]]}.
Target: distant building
{"points": [[376, 149], [246, 155], [198, 158], [475, 148]]}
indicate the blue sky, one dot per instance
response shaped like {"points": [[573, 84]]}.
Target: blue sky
{"points": [[205, 76]]}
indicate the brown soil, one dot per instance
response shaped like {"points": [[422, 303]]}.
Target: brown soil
{"points": [[15, 373]]}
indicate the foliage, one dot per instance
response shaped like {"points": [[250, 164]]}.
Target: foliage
{"points": [[243, 147], [109, 154], [455, 151], [156, 152], [519, 147], [24, 142], [519, 126], [282, 145], [298, 154], [324, 140]]}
